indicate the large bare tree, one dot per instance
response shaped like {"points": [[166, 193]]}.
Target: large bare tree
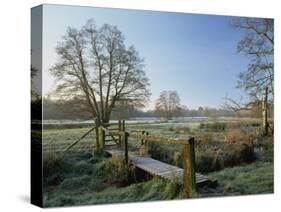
{"points": [[258, 80], [95, 66], [168, 104]]}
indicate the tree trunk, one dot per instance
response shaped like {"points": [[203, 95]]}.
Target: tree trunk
{"points": [[265, 124]]}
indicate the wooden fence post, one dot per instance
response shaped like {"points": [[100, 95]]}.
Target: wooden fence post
{"points": [[123, 125], [189, 178], [123, 130], [125, 137], [101, 137], [119, 129], [142, 141], [97, 135], [147, 134]]}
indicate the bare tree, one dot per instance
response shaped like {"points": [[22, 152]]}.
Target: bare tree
{"points": [[97, 67], [258, 80], [168, 104]]}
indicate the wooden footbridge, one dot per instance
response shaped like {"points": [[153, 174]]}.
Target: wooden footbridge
{"points": [[160, 169], [185, 176]]}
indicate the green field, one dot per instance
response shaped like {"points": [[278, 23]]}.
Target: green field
{"points": [[231, 151]]}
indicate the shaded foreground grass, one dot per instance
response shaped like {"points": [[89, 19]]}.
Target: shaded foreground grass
{"points": [[152, 190], [85, 179]]}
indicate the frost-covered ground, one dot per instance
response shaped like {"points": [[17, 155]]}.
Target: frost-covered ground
{"points": [[77, 185], [58, 134], [150, 120]]}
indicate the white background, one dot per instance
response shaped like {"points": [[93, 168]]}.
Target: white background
{"points": [[14, 102]]}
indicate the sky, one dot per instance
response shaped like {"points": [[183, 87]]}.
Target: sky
{"points": [[191, 53]]}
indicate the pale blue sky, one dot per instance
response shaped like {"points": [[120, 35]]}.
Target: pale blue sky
{"points": [[193, 54]]}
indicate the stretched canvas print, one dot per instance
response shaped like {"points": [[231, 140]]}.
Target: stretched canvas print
{"points": [[131, 105]]}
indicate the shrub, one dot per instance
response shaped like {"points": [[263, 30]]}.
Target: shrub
{"points": [[171, 129], [204, 161], [239, 136], [238, 154], [52, 166], [210, 158], [264, 148], [263, 141], [117, 171]]}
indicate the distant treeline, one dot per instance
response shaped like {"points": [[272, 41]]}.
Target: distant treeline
{"points": [[64, 110]]}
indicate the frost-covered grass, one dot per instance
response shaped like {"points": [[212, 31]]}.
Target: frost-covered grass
{"points": [[255, 178], [78, 177]]}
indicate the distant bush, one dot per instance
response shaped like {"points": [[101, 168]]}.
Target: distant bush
{"points": [[184, 129], [223, 126], [172, 129], [214, 127], [179, 130], [67, 126]]}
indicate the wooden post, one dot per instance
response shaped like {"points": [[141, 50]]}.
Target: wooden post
{"points": [[101, 138], [147, 134], [119, 129], [142, 141], [123, 125], [123, 130], [125, 137], [189, 178], [97, 138]]}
